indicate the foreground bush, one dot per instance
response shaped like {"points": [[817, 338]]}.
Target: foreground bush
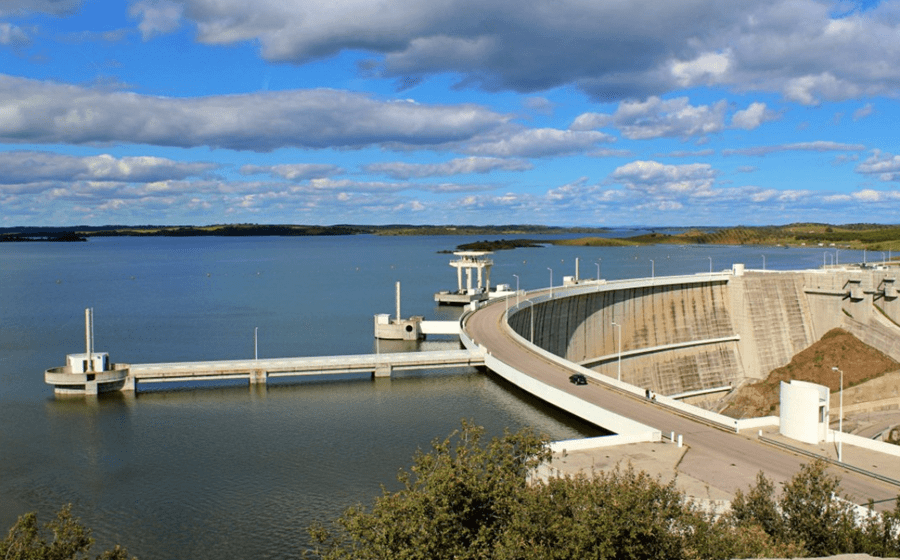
{"points": [[469, 500], [71, 540]]}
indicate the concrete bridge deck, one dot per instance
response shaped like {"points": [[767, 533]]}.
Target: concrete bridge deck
{"points": [[258, 371]]}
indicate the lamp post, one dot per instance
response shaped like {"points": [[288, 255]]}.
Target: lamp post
{"points": [[517, 289], [255, 343], [531, 313], [598, 269], [551, 282], [652, 269], [619, 367], [841, 418], [710, 264], [764, 262]]}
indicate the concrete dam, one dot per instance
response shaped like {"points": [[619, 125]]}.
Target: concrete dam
{"points": [[687, 335]]}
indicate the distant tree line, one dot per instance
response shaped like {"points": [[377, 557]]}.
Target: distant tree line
{"points": [[470, 499]]}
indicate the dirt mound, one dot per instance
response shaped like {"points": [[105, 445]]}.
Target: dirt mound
{"points": [[837, 348]]}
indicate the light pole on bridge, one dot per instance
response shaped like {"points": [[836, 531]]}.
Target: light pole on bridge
{"points": [[551, 282], [619, 373], [517, 289], [841, 419]]}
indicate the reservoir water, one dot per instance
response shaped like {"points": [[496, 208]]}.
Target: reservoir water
{"points": [[230, 472]]}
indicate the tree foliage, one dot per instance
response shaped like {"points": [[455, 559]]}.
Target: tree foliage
{"points": [[471, 499], [812, 514], [70, 540]]}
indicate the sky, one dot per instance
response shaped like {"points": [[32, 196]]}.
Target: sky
{"points": [[556, 112]]}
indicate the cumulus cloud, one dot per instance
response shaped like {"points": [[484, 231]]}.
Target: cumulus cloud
{"points": [[863, 112], [293, 171], [658, 118], [752, 117], [51, 7], [816, 146], [12, 35], [655, 179], [33, 167], [537, 142], [459, 166], [885, 166], [52, 113], [611, 50], [157, 16]]}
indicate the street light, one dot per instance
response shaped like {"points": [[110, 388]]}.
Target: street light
{"points": [[598, 268], [517, 289], [620, 349], [764, 262], [255, 343], [551, 282], [710, 264], [841, 419], [652, 269]]}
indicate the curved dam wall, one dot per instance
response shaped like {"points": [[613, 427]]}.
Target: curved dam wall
{"points": [[683, 334]]}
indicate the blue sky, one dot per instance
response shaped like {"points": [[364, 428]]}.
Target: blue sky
{"points": [[572, 112]]}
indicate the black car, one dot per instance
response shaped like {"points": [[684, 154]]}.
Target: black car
{"points": [[578, 379]]}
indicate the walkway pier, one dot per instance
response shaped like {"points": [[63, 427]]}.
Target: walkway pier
{"points": [[128, 376]]}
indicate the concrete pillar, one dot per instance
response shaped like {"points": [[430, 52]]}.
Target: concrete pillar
{"points": [[258, 376], [383, 370], [468, 278], [459, 278], [480, 284], [129, 383]]}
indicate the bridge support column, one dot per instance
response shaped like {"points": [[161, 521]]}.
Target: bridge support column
{"points": [[383, 370], [258, 377], [129, 383]]}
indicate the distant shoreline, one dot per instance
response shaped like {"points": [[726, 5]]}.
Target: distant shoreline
{"points": [[872, 237]]}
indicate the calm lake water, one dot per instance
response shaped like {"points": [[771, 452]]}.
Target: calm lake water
{"points": [[230, 472]]}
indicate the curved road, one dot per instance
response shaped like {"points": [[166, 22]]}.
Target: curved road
{"points": [[724, 460]]}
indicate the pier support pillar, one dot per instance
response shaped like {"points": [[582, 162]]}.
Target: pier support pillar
{"points": [[129, 383], [258, 377], [383, 370]]}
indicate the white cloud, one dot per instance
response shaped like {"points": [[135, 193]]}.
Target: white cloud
{"points": [[752, 117], [707, 68], [12, 35], [863, 112], [17, 167], [157, 16], [885, 166], [612, 50], [658, 118], [815, 146], [537, 142], [51, 113], [51, 7], [657, 179], [459, 166], [293, 171]]}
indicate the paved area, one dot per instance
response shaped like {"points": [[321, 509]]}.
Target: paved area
{"points": [[664, 461]]}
